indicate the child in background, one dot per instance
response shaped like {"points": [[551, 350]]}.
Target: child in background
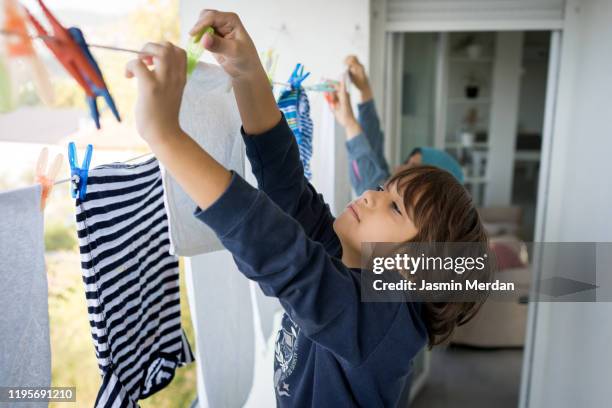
{"points": [[368, 167], [333, 349]]}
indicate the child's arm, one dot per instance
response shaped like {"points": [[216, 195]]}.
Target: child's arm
{"points": [[366, 171], [271, 146], [366, 115], [368, 119], [276, 164], [319, 293]]}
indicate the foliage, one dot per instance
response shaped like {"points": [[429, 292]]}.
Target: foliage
{"points": [[59, 236]]}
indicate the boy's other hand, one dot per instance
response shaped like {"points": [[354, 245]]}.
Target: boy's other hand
{"points": [[343, 111], [160, 90], [231, 44], [359, 77]]}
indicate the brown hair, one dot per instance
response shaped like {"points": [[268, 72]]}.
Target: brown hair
{"points": [[443, 211]]}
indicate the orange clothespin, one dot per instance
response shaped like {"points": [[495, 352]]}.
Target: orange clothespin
{"points": [[47, 178], [66, 50], [20, 46], [71, 50]]}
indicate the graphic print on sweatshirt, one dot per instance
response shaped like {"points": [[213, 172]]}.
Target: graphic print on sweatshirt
{"points": [[285, 355]]}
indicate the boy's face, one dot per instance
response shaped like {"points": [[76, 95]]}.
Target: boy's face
{"points": [[376, 216]]}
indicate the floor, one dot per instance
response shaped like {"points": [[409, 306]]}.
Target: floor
{"points": [[465, 377]]}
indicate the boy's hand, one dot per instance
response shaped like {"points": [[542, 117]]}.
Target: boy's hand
{"points": [[231, 46], [160, 90], [234, 50], [343, 111], [359, 77]]}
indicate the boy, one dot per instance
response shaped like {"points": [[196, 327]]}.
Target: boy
{"points": [[333, 350]]}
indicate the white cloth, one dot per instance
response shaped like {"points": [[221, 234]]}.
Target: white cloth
{"points": [[25, 349], [222, 316], [209, 114]]}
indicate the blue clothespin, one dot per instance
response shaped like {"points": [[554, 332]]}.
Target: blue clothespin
{"points": [[78, 37], [78, 175], [297, 76]]}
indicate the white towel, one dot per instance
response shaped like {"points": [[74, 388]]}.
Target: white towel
{"points": [[209, 115], [25, 350]]}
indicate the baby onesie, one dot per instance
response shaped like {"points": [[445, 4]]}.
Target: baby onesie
{"points": [[295, 106], [131, 282], [209, 115]]}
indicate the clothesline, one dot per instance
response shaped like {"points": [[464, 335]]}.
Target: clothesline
{"points": [[53, 38], [324, 87], [66, 180]]}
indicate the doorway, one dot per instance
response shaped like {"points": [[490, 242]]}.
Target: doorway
{"points": [[481, 96]]}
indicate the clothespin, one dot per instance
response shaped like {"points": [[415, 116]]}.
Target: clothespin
{"points": [[297, 76], [70, 55], [20, 46], [77, 36], [195, 49], [47, 178], [329, 95], [78, 175], [269, 60], [326, 87]]}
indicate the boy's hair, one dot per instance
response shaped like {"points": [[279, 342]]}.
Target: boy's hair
{"points": [[443, 211]]}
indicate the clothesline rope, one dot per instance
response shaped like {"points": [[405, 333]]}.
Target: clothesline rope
{"points": [[319, 87], [66, 180], [50, 37]]}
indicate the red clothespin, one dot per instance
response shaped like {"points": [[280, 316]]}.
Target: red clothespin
{"points": [[65, 49], [47, 178], [72, 56]]}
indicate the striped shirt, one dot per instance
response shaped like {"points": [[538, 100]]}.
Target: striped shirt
{"points": [[131, 282], [296, 108]]}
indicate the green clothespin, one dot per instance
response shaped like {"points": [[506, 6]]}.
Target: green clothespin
{"points": [[195, 49]]}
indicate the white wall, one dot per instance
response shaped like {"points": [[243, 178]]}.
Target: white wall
{"points": [[504, 114], [572, 357]]}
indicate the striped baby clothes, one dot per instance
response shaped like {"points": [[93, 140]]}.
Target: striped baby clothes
{"points": [[131, 282], [295, 106]]}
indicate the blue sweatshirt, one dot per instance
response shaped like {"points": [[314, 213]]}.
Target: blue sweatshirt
{"points": [[332, 350], [368, 167]]}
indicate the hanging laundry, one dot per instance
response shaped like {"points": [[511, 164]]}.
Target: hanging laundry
{"points": [[25, 350], [131, 282], [19, 48], [222, 314], [209, 115], [295, 106]]}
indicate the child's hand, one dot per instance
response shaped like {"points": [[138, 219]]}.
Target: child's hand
{"points": [[234, 50], [231, 45], [343, 111], [160, 91], [359, 77]]}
